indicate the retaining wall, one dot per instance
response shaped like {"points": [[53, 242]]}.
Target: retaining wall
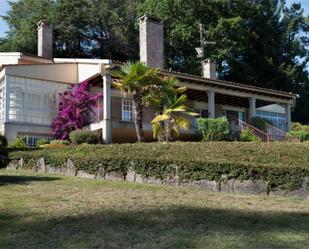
{"points": [[224, 185]]}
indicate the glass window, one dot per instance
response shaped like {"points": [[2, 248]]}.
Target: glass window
{"points": [[33, 101], [31, 139], [127, 109], [277, 119]]}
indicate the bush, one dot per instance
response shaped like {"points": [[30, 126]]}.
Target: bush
{"points": [[302, 135], [279, 164], [58, 141], [297, 126], [213, 129], [259, 123], [18, 143], [84, 136], [42, 141], [3, 141], [246, 135], [300, 131]]}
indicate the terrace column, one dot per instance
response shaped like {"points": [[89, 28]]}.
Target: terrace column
{"points": [[107, 122], [211, 104], [252, 107], [288, 116]]}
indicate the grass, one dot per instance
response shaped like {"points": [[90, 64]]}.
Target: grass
{"points": [[51, 211]]}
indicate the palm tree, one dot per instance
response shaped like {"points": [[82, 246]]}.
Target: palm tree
{"points": [[137, 79], [173, 115], [158, 99]]}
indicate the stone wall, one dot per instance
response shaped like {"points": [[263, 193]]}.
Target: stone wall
{"points": [[225, 184]]}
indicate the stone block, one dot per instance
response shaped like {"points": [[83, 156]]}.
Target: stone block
{"points": [[302, 192], [153, 180], [207, 184], [40, 166], [12, 165], [83, 174], [140, 179], [278, 193], [172, 180], [100, 173], [250, 186], [114, 176], [71, 171], [227, 185], [20, 163], [54, 170], [130, 176]]}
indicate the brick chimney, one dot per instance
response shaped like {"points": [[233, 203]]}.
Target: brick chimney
{"points": [[209, 69], [151, 40], [45, 39]]}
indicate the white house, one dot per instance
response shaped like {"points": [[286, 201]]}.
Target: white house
{"points": [[29, 88]]}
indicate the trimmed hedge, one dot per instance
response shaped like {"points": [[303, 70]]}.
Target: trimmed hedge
{"points": [[282, 165]]}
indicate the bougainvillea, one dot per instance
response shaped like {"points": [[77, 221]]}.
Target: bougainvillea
{"points": [[76, 109]]}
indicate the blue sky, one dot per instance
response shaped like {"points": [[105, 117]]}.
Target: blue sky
{"points": [[4, 7]]}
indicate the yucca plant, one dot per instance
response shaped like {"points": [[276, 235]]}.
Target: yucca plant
{"points": [[140, 81]]}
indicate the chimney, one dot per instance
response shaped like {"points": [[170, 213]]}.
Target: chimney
{"points": [[209, 69], [45, 39], [151, 41]]}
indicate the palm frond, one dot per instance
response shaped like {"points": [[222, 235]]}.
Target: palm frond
{"points": [[160, 118]]}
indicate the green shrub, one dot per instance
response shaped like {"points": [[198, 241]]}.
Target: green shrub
{"points": [[259, 123], [300, 131], [58, 141], [41, 141], [213, 129], [3, 141], [277, 163], [246, 135], [302, 135], [84, 136], [18, 143], [297, 126]]}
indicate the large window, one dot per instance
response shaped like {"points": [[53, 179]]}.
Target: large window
{"points": [[277, 119], [127, 109], [33, 101]]}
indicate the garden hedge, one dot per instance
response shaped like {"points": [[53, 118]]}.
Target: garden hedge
{"points": [[282, 165]]}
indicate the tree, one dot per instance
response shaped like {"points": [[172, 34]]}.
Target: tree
{"points": [[139, 80], [175, 115], [22, 19], [82, 28], [75, 110]]}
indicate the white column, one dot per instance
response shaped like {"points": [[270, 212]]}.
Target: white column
{"points": [[252, 107], [6, 99], [288, 117], [211, 104], [107, 123]]}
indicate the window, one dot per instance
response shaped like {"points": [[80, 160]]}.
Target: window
{"points": [[127, 109], [202, 114], [33, 101], [31, 139], [277, 119]]}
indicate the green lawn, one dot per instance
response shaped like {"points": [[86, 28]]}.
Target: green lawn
{"points": [[50, 211]]}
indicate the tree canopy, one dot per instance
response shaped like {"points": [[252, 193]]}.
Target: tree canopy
{"points": [[259, 42]]}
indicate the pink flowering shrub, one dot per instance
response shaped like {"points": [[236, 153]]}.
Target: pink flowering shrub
{"points": [[75, 110]]}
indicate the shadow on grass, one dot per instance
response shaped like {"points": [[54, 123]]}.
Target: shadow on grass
{"points": [[173, 227], [11, 179]]}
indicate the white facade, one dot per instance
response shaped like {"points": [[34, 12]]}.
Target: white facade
{"points": [[29, 93]]}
